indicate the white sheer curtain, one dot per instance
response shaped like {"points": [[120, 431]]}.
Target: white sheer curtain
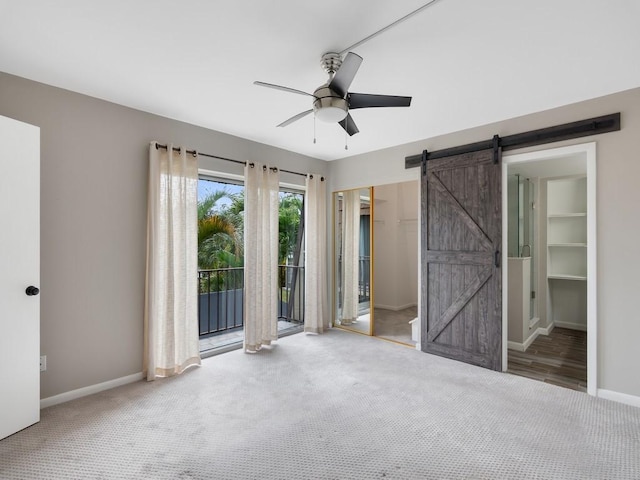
{"points": [[171, 311], [350, 256], [261, 189], [315, 218]]}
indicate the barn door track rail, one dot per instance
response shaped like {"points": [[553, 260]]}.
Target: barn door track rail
{"points": [[566, 131]]}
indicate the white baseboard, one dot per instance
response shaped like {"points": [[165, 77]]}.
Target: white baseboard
{"points": [[90, 390], [546, 330], [572, 326], [522, 347], [518, 347], [395, 308], [619, 397]]}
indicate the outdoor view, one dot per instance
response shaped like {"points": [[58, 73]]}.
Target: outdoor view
{"points": [[220, 261]]}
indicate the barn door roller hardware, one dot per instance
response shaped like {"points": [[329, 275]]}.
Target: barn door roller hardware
{"points": [[582, 128]]}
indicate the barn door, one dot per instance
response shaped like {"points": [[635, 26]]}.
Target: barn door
{"points": [[461, 238]]}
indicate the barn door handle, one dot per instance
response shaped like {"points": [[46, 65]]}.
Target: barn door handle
{"points": [[497, 259], [32, 291]]}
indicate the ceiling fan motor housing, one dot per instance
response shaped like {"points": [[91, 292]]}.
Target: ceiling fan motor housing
{"points": [[329, 106]]}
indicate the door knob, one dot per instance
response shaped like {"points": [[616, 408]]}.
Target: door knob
{"points": [[31, 291]]}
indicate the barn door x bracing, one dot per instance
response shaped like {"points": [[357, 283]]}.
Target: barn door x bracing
{"points": [[461, 275]]}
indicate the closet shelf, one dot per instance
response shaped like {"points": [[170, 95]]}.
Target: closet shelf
{"points": [[566, 215], [561, 276], [567, 251], [584, 245]]}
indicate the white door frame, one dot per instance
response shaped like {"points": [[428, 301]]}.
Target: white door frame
{"points": [[588, 150]]}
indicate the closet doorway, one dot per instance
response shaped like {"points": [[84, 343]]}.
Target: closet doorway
{"points": [[549, 235], [396, 260]]}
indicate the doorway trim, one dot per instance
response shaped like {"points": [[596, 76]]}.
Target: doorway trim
{"points": [[559, 154]]}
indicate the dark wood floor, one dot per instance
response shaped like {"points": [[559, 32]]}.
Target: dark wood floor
{"points": [[559, 358]]}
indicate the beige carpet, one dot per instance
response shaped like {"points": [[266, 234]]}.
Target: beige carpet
{"points": [[335, 406], [394, 325]]}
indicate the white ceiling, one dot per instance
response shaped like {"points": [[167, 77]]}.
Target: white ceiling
{"points": [[465, 62]]}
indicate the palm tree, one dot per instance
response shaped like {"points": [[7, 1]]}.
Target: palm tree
{"points": [[290, 211], [221, 236], [289, 248], [289, 214], [219, 245]]}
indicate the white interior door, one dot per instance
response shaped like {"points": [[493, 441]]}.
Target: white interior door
{"points": [[19, 270]]}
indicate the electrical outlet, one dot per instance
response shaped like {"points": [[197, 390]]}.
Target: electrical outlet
{"points": [[43, 363]]}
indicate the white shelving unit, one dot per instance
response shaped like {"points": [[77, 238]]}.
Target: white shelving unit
{"points": [[567, 251]]}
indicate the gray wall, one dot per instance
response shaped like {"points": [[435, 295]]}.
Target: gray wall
{"points": [[94, 157], [618, 229], [94, 176]]}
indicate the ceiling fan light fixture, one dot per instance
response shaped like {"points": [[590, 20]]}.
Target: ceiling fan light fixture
{"points": [[330, 109]]}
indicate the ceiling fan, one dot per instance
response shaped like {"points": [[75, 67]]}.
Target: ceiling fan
{"points": [[332, 100]]}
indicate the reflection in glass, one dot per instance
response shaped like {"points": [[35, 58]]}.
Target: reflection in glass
{"points": [[352, 227], [350, 245], [521, 197]]}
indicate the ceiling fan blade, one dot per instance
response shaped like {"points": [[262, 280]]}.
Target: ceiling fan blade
{"points": [[295, 118], [284, 89], [366, 100], [345, 74], [349, 125]]}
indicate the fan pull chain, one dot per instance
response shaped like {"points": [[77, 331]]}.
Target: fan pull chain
{"points": [[346, 133], [314, 128]]}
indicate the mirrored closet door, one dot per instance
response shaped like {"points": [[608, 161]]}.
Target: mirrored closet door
{"points": [[353, 274]]}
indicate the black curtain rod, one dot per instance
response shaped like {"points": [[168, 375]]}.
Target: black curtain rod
{"points": [[566, 131], [196, 153]]}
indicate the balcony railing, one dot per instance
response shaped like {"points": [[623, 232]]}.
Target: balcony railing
{"points": [[364, 279], [221, 298]]}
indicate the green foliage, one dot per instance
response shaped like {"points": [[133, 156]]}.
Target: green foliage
{"points": [[219, 238], [207, 207], [221, 232], [290, 212]]}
